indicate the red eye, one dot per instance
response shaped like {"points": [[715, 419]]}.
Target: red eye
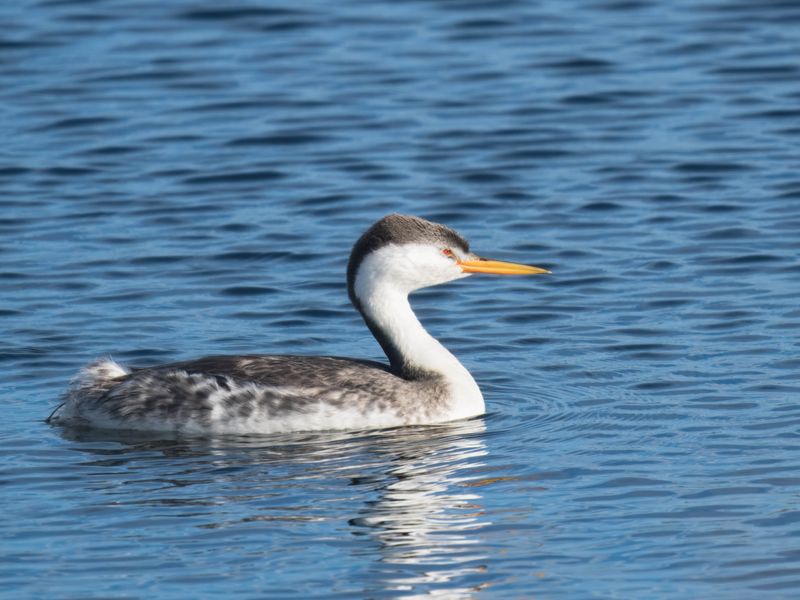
{"points": [[447, 252]]}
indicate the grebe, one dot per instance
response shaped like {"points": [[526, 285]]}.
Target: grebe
{"points": [[423, 383]]}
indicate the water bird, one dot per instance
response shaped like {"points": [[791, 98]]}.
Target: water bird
{"points": [[422, 384]]}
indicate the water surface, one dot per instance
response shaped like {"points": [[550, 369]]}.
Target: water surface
{"points": [[187, 178]]}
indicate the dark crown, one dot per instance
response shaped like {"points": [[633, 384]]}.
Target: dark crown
{"points": [[400, 229]]}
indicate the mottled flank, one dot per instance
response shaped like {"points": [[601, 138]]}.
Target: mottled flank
{"points": [[246, 394]]}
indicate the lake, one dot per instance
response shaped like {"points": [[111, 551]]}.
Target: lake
{"points": [[187, 178]]}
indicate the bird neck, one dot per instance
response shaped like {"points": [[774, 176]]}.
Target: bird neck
{"points": [[412, 351]]}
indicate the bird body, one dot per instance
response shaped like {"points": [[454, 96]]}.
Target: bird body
{"points": [[424, 382]]}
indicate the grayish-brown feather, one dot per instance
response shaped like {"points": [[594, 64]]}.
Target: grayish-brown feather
{"points": [[224, 388]]}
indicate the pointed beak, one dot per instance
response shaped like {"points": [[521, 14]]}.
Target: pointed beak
{"points": [[498, 267]]}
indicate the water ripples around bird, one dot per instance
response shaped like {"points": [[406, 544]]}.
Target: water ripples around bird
{"points": [[187, 178]]}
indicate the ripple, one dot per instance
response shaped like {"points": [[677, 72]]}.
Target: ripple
{"points": [[582, 64], [237, 13], [729, 233], [709, 167], [280, 139], [247, 290], [234, 177], [187, 180]]}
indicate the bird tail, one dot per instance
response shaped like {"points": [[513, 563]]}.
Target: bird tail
{"points": [[89, 385]]}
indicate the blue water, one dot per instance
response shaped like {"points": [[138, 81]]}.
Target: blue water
{"points": [[185, 178]]}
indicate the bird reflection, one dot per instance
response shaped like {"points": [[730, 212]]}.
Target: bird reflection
{"points": [[427, 514], [412, 506]]}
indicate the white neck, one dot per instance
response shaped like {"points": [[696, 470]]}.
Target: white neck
{"points": [[387, 306]]}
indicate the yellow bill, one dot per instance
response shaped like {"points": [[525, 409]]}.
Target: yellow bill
{"points": [[498, 267]]}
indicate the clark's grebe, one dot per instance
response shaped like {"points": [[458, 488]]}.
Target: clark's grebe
{"points": [[424, 383]]}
